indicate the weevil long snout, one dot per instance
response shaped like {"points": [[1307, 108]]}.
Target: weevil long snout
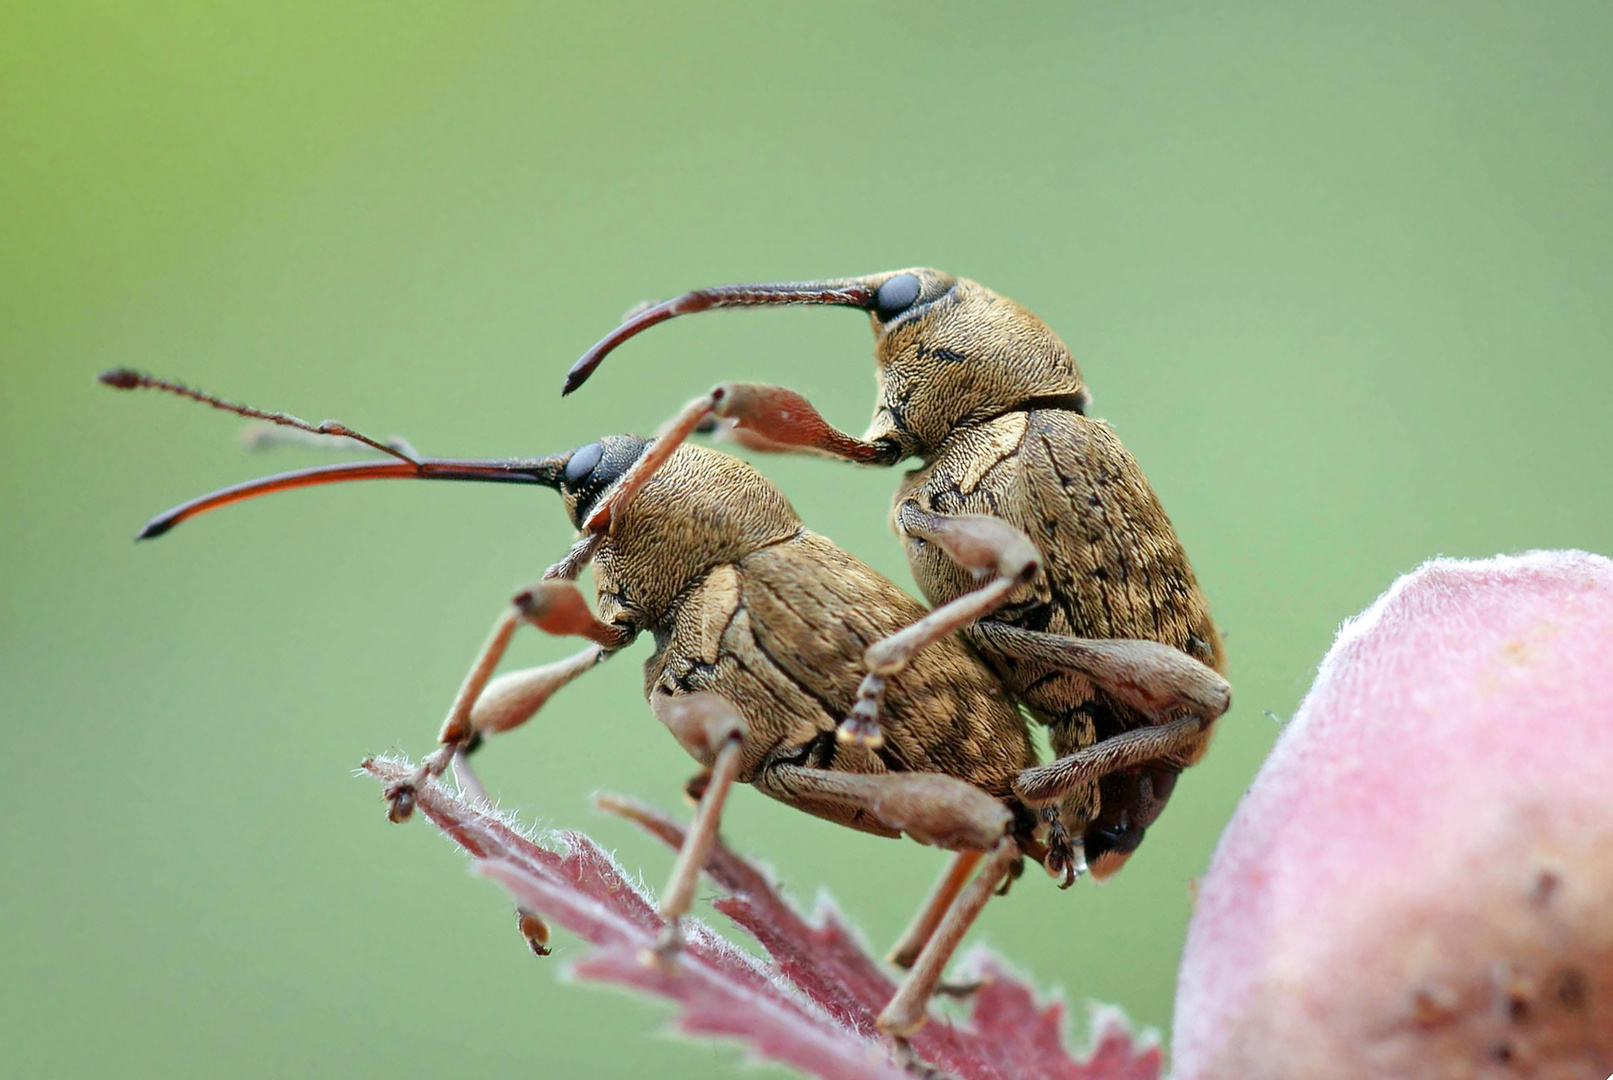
{"points": [[886, 296]]}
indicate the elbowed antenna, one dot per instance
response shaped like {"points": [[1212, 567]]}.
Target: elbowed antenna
{"points": [[545, 472], [129, 379], [839, 292]]}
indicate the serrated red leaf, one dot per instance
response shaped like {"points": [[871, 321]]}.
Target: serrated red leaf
{"points": [[810, 1004]]}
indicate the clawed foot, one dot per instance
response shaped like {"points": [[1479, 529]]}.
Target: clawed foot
{"points": [[904, 1057], [399, 802], [534, 930], [861, 727], [856, 732], [1015, 872], [1063, 860], [400, 797], [664, 953]]}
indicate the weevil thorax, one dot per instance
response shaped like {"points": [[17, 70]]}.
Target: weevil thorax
{"points": [[950, 352], [702, 508]]}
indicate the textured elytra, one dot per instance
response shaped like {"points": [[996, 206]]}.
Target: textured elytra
{"points": [[746, 603]]}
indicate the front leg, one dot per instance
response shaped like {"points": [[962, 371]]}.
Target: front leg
{"points": [[909, 1009], [711, 728], [775, 419], [933, 809], [987, 547], [1181, 696], [555, 607], [753, 414]]}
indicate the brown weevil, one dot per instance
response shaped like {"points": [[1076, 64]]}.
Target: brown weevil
{"points": [[992, 404], [767, 637]]}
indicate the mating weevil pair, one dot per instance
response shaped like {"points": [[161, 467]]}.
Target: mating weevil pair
{"points": [[1058, 587]]}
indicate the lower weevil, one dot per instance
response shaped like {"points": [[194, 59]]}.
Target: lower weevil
{"points": [[766, 638]]}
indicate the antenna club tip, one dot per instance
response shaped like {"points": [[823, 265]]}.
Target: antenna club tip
{"points": [[121, 378]]}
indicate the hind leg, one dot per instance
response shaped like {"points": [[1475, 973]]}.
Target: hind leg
{"points": [[1043, 784], [907, 1011], [710, 724], [1148, 676], [933, 809], [918, 933]]}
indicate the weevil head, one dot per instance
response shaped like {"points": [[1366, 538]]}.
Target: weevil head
{"points": [[702, 508], [950, 352], [589, 471]]}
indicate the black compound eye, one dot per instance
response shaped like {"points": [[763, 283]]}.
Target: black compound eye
{"points": [[896, 296], [592, 469], [582, 462]]}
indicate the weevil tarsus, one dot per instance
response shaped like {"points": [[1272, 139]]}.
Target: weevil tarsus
{"points": [[533, 930]]}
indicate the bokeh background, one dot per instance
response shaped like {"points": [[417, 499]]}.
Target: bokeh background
{"points": [[1337, 272]]}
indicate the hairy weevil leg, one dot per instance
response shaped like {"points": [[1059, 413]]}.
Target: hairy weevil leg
{"points": [[671, 436], [456, 729], [516, 696], [775, 419], [753, 414], [483, 706], [1149, 676], [947, 887], [932, 808], [710, 727], [987, 547], [907, 1011], [1043, 784]]}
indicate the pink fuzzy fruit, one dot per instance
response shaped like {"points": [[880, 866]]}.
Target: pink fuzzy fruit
{"points": [[1420, 881]]}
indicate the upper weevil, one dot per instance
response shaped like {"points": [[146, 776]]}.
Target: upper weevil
{"points": [[991, 402]]}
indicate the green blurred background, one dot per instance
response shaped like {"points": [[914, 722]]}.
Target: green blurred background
{"points": [[1338, 273]]}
